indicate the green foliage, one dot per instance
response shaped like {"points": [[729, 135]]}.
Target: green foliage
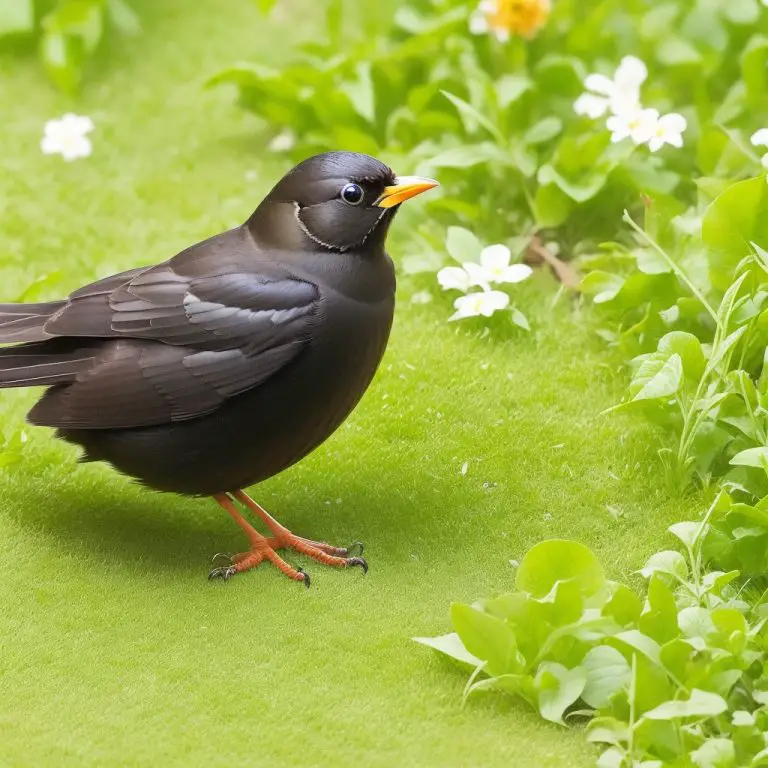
{"points": [[67, 32], [677, 678]]}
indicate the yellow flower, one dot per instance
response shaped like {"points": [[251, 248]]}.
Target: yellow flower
{"points": [[509, 17]]}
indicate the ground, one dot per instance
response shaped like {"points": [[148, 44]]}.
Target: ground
{"points": [[114, 648]]}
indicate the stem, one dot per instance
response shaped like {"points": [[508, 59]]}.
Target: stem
{"points": [[632, 687], [672, 264]]}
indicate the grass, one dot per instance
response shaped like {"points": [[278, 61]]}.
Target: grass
{"points": [[114, 649]]}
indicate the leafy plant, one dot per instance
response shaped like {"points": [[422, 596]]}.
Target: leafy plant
{"points": [[676, 678], [67, 32]]}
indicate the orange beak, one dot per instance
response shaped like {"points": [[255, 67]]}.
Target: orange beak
{"points": [[404, 188]]}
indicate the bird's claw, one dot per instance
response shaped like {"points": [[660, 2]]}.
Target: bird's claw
{"points": [[221, 556], [359, 562], [358, 547], [306, 579], [223, 572]]}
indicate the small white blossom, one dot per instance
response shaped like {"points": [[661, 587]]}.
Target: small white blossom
{"points": [[618, 95], [283, 142], [669, 130], [494, 267], [480, 303], [760, 138], [67, 137], [639, 125], [453, 278], [479, 23]]}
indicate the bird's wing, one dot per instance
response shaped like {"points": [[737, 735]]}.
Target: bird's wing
{"points": [[189, 340]]}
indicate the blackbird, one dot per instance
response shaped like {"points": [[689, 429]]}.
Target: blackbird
{"points": [[234, 359]]}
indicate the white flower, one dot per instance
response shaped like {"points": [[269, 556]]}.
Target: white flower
{"points": [[494, 267], [639, 125], [479, 303], [669, 130], [760, 138], [283, 142], [67, 137], [453, 278], [619, 94]]}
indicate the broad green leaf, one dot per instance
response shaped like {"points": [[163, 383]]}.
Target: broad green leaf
{"points": [[658, 377], [668, 562], [700, 704], [741, 11], [451, 645], [737, 217], [689, 348], [466, 156], [607, 730], [751, 457], [695, 622], [686, 531], [715, 753], [462, 245], [607, 673], [543, 131], [552, 207], [659, 619], [470, 114], [623, 605], [611, 758], [16, 16], [63, 57], [602, 286], [650, 262], [637, 641], [676, 51], [581, 191], [558, 688], [487, 638], [559, 560], [754, 66], [510, 88]]}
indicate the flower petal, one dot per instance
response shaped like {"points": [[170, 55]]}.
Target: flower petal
{"points": [[630, 74], [478, 275], [673, 123], [760, 138], [492, 301], [453, 278], [591, 106], [478, 23], [495, 257], [764, 160], [600, 84], [516, 273]]}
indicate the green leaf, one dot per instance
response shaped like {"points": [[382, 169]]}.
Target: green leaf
{"points": [[754, 66], [16, 16], [607, 673], [751, 457], [700, 704], [657, 377], [265, 6], [602, 286], [543, 131], [559, 560], [487, 638], [689, 348], [669, 563], [451, 645], [581, 191], [123, 17], [724, 347], [63, 58], [715, 753], [736, 217], [361, 92], [510, 88], [637, 641], [659, 619], [552, 206], [686, 531], [519, 319], [558, 688], [650, 262], [463, 245], [466, 110], [741, 11], [676, 51]]}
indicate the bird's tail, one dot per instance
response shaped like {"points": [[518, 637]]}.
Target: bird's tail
{"points": [[25, 322], [44, 363]]}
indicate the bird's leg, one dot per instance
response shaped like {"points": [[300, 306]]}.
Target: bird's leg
{"points": [[261, 549], [282, 538]]}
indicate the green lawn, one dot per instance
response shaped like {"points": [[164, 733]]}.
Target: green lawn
{"points": [[114, 648]]}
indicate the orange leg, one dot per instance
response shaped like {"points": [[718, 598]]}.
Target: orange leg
{"points": [[263, 548]]}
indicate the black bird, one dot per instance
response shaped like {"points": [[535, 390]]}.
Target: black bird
{"points": [[234, 359]]}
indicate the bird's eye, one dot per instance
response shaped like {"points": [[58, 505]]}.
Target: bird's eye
{"points": [[352, 194]]}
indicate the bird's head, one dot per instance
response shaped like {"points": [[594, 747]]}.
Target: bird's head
{"points": [[336, 201]]}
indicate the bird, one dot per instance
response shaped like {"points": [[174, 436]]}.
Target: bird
{"points": [[228, 363]]}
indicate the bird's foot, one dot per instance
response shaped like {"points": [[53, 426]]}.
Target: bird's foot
{"points": [[244, 561], [337, 557]]}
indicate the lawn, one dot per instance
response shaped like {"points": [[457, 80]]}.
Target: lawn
{"points": [[114, 648]]}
